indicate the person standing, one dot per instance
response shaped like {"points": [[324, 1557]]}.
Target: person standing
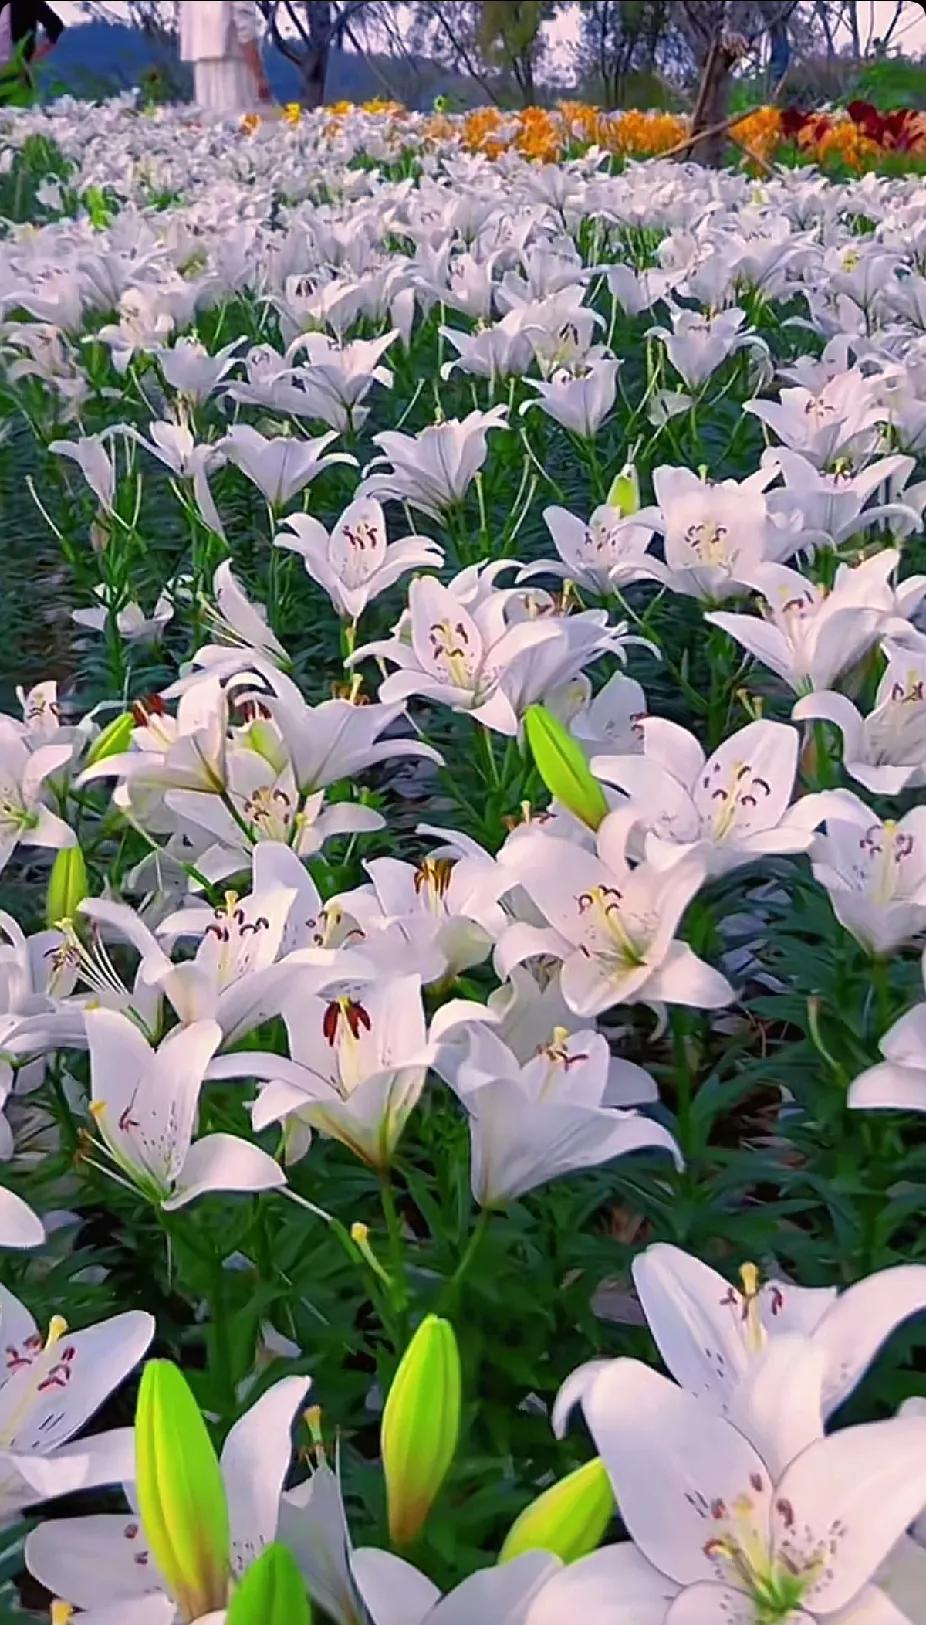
{"points": [[20, 21], [220, 39]]}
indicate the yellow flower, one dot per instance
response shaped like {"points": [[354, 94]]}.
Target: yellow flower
{"points": [[292, 113]]}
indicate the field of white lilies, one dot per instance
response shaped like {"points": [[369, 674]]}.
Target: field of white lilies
{"points": [[463, 882]]}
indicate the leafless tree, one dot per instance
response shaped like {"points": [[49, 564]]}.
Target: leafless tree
{"points": [[156, 19], [306, 32]]}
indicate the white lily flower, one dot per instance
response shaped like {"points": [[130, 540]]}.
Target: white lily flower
{"points": [[730, 1347], [839, 420], [698, 344], [612, 925], [195, 374], [809, 636], [24, 817], [103, 1562], [49, 1387], [133, 625], [173, 445], [359, 1064], [715, 535], [885, 751], [186, 752], [282, 467], [604, 555], [831, 506], [611, 720], [313, 1524], [356, 562], [395, 1593], [90, 454], [748, 1542], [579, 400], [144, 323], [731, 808], [874, 872], [899, 1081], [337, 739], [144, 1104], [435, 919], [457, 656], [432, 471], [535, 1122]]}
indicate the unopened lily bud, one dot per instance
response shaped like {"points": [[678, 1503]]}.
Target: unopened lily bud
{"points": [[421, 1426], [624, 493], [562, 764], [67, 885], [181, 1495], [271, 1593], [115, 737], [569, 1519], [264, 740]]}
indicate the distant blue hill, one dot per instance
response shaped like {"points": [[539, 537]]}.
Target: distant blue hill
{"points": [[99, 59]]}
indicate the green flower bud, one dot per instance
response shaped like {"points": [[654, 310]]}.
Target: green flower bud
{"points": [[624, 493], [265, 742], [421, 1426], [562, 764], [115, 737], [569, 1519], [181, 1495], [271, 1593], [67, 885]]}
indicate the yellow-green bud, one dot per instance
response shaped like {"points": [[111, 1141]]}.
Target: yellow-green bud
{"points": [[115, 737], [624, 494], [569, 1519], [67, 885], [562, 764], [421, 1426], [272, 1592], [265, 742], [181, 1495]]}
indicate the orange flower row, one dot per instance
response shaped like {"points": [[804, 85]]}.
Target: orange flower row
{"points": [[549, 134]]}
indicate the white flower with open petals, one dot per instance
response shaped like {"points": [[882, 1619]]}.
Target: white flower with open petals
{"points": [[730, 1346], [283, 466], [432, 471], [356, 562], [739, 1540], [732, 807], [874, 871], [604, 555], [808, 636], [885, 751], [24, 816], [715, 534], [898, 1082], [144, 1104], [612, 925], [19, 1226], [535, 1122], [458, 656], [580, 400], [103, 1563], [49, 1387]]}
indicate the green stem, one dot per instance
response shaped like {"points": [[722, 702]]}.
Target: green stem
{"points": [[399, 1292]]}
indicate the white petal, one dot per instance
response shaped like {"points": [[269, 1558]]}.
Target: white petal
{"points": [[852, 1331], [672, 1460], [255, 1460], [614, 1586], [224, 1162], [393, 1591], [851, 1496]]}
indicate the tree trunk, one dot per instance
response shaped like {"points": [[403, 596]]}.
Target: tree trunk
{"points": [[712, 105], [313, 68]]}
